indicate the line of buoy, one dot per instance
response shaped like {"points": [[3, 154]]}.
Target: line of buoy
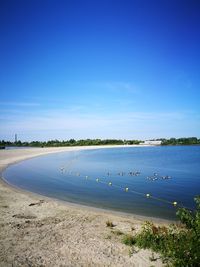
{"points": [[155, 176], [126, 189]]}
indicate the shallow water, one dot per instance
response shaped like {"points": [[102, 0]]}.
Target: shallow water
{"points": [[63, 176]]}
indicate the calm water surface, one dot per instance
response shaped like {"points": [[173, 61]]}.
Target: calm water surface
{"points": [[71, 176]]}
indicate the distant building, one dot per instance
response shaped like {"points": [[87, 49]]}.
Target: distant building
{"points": [[155, 143]]}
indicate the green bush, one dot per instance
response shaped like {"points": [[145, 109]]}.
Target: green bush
{"points": [[179, 246], [128, 240]]}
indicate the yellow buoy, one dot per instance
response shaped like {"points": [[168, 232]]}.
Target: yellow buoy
{"points": [[110, 183], [126, 189], [147, 195], [97, 180], [175, 203]]}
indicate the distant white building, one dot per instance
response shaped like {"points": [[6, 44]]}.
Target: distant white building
{"points": [[155, 143]]}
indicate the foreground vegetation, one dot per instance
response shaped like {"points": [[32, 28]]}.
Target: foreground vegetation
{"points": [[179, 245], [92, 142]]}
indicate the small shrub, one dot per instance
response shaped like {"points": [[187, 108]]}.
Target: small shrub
{"points": [[128, 240], [109, 224]]}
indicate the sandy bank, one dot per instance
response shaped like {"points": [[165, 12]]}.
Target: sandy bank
{"points": [[38, 231]]}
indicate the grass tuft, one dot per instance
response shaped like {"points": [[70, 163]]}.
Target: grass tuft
{"points": [[117, 232], [110, 224], [132, 228], [128, 240]]}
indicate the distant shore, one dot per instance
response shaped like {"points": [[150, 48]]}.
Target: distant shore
{"points": [[37, 230], [11, 156]]}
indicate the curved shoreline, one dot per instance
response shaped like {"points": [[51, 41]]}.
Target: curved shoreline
{"points": [[24, 214], [73, 204]]}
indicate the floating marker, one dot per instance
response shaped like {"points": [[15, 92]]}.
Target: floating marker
{"points": [[126, 189], [147, 195], [86, 177], [110, 183], [97, 180], [175, 203]]}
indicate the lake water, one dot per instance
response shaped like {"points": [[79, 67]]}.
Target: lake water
{"points": [[173, 176]]}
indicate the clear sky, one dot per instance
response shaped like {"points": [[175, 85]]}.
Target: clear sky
{"points": [[99, 69]]}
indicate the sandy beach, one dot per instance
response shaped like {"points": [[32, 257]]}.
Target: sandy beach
{"points": [[39, 231]]}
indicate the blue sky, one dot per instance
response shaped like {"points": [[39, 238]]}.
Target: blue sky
{"points": [[99, 69]]}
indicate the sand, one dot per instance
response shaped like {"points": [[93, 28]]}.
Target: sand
{"points": [[39, 231]]}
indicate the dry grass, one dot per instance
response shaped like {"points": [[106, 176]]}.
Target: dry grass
{"points": [[110, 224]]}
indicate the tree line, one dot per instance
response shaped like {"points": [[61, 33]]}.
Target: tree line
{"points": [[96, 142], [71, 142], [181, 141]]}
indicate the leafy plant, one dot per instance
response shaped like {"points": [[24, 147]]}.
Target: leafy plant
{"points": [[128, 240], [178, 245]]}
